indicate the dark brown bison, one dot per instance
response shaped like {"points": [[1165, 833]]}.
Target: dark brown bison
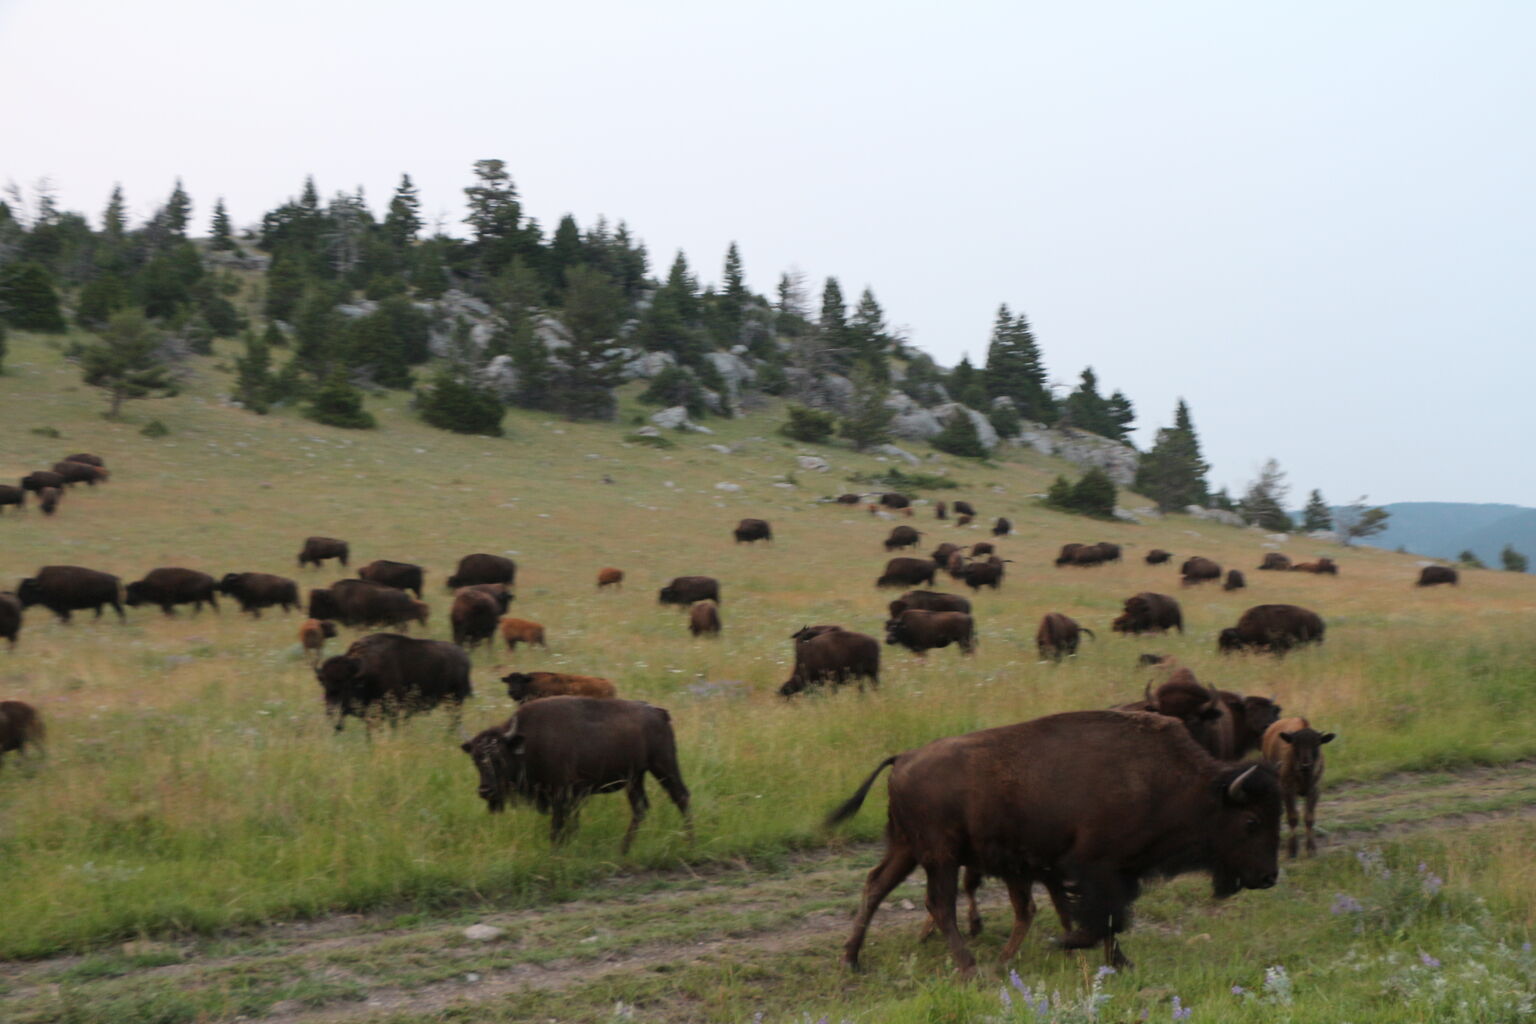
{"points": [[525, 686], [313, 633], [556, 752], [685, 590], [394, 675], [48, 500], [984, 574], [902, 537], [940, 510], [41, 478], [929, 600], [1108, 552], [704, 617], [497, 592], [63, 589], [907, 572], [1199, 570], [1431, 575], [1275, 628], [955, 567], [317, 549], [522, 631], [1322, 567], [849, 499], [983, 547], [749, 530], [1063, 800], [1157, 556], [360, 603], [1002, 527], [1147, 612], [610, 578], [1235, 580], [831, 654], [400, 575], [20, 727], [10, 618], [1080, 554], [1226, 724], [965, 508], [1058, 636], [13, 496], [921, 631], [80, 473], [941, 554], [170, 587], [482, 568], [87, 458], [963, 520], [891, 499], [1274, 560], [258, 590], [1296, 751], [474, 617]]}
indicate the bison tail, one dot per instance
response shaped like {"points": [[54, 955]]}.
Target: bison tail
{"points": [[852, 805], [1085, 629]]}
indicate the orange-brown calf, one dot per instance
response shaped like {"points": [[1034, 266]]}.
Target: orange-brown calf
{"points": [[610, 578], [515, 631], [526, 686], [313, 633], [1296, 751]]}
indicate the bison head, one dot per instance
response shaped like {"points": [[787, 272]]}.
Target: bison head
{"points": [[29, 592], [805, 633], [519, 686], [1306, 749], [1123, 624], [228, 584], [322, 605], [1259, 713], [1229, 640], [343, 689], [134, 594], [795, 684], [498, 755], [1244, 834], [894, 633], [667, 595]]}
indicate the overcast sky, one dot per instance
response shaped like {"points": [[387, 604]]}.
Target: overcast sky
{"points": [[1313, 220]]}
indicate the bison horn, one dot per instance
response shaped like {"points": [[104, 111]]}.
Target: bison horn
{"points": [[1235, 790]]}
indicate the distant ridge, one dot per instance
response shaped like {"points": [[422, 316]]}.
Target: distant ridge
{"points": [[1444, 529]]}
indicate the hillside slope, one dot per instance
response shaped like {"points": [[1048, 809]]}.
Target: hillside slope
{"points": [[1441, 529]]}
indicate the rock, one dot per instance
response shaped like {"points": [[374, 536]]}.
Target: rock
{"points": [[731, 488], [1215, 515], [1127, 516], [362, 307], [552, 333], [813, 462], [1147, 512], [1331, 536], [734, 370], [648, 431], [722, 449], [1079, 447], [501, 377], [898, 453], [984, 427], [674, 418], [783, 483], [917, 424], [648, 365], [483, 933], [830, 392]]}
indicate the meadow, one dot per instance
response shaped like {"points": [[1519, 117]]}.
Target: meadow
{"points": [[193, 785]]}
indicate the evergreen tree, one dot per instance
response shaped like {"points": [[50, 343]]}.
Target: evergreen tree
{"points": [[1173, 472], [677, 385], [370, 342], [178, 211], [960, 437], [1088, 410], [1005, 420], [631, 262], [731, 304], [1015, 370], [453, 401], [868, 423], [1358, 520], [1316, 516], [594, 308], [832, 327], [336, 403], [27, 299], [223, 235], [966, 385], [253, 376], [1513, 560], [99, 299], [1222, 500], [1264, 502], [1119, 415], [127, 361], [812, 426], [924, 381], [791, 312], [530, 360], [671, 323], [317, 329], [429, 271], [403, 220], [112, 247], [566, 249], [274, 337], [869, 341], [495, 217], [1094, 494], [165, 284], [285, 286], [1470, 560], [1059, 494]]}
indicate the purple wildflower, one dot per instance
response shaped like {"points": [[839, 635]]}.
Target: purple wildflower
{"points": [[1238, 990], [1018, 983], [1180, 1011], [1428, 961], [1104, 972], [1006, 998], [1344, 903]]}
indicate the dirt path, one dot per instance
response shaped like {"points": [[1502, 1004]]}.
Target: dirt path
{"points": [[363, 967]]}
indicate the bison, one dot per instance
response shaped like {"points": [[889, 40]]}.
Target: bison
{"points": [[902, 537], [955, 567], [832, 654], [1296, 751], [963, 520], [1323, 566], [983, 547], [317, 549], [1147, 612], [849, 499], [1199, 570], [80, 472], [1228, 725], [892, 499], [1002, 527], [929, 600], [63, 589], [965, 508], [525, 686], [704, 617], [10, 618], [1274, 560], [610, 578], [907, 572], [941, 554], [1058, 636], [1079, 554], [1063, 800], [749, 530], [521, 631], [10, 495], [497, 592], [360, 603], [48, 500], [1235, 580], [1157, 556], [1275, 628], [1431, 575], [940, 510], [474, 617], [170, 587], [400, 575], [20, 727], [557, 752], [257, 590], [41, 478], [685, 590], [313, 633], [984, 574], [921, 631], [87, 458], [482, 568], [394, 675]]}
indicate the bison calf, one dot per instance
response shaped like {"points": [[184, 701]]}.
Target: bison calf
{"points": [[704, 617], [1296, 751], [610, 578], [313, 633], [525, 686], [1058, 636], [20, 727], [516, 631]]}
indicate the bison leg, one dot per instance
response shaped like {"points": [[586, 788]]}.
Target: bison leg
{"points": [[117, 606], [562, 822], [1021, 895], [943, 881], [638, 806], [1290, 821], [972, 882], [1311, 819], [882, 878], [671, 780]]}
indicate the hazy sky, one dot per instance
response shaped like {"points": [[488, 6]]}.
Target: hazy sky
{"points": [[1313, 220]]}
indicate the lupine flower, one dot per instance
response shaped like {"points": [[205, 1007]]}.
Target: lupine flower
{"points": [[1428, 961], [1006, 998], [1180, 1011], [1104, 971], [1238, 990], [1344, 903], [1018, 983]]}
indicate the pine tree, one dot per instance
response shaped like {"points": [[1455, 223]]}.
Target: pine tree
{"points": [[253, 376], [791, 312], [960, 437], [178, 211], [731, 303], [868, 338], [594, 307], [832, 327], [453, 401], [1059, 494], [27, 299], [1470, 560], [1094, 494], [1512, 560], [99, 299], [966, 384], [114, 219], [1264, 502], [1005, 419], [223, 236], [403, 220], [671, 323], [336, 403], [1173, 472], [1316, 516], [1358, 520], [812, 426], [1119, 415], [1014, 368], [565, 250], [1088, 410], [495, 217], [370, 341], [677, 385], [127, 361], [868, 423]]}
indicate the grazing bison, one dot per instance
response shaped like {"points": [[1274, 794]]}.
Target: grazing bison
{"points": [[482, 568], [1199, 570], [831, 654], [1274, 560], [1108, 552], [525, 686], [749, 530], [849, 499], [704, 617], [20, 727], [902, 537], [69, 588], [170, 587], [48, 500], [1157, 556], [929, 600], [1323, 566], [685, 590], [522, 631], [1296, 751], [10, 618], [1002, 527], [497, 592], [555, 753], [955, 567], [1058, 636], [940, 510], [1275, 628], [1147, 612], [965, 508], [41, 478], [963, 520], [891, 499], [1431, 575], [394, 675], [80, 473], [1080, 554], [474, 617], [317, 549], [360, 603], [13, 496], [921, 631], [907, 572], [610, 578], [258, 590], [984, 574], [941, 554], [983, 547], [313, 633], [400, 575], [1235, 580], [1227, 725], [87, 458], [1063, 800]]}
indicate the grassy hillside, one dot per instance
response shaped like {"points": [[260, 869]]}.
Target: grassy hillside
{"points": [[193, 783]]}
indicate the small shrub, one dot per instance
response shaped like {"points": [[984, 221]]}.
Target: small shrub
{"points": [[653, 440], [47, 432], [453, 403], [1092, 495], [811, 426], [154, 428], [896, 479], [338, 404], [960, 437]]}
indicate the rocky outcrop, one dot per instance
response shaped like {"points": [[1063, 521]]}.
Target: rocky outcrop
{"points": [[676, 418], [1118, 461], [1215, 515], [829, 392]]}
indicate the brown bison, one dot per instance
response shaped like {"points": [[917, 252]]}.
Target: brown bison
{"points": [[170, 587], [892, 499], [984, 574], [902, 537], [921, 631], [41, 478], [1002, 527], [965, 508], [10, 618], [1274, 560], [1157, 556], [482, 568], [983, 547], [1227, 725], [13, 496], [317, 549], [955, 567], [849, 499], [685, 590], [1296, 751], [87, 458], [394, 675], [521, 631], [906, 572], [400, 575], [497, 592], [63, 589], [704, 617], [940, 510], [831, 654], [1275, 628], [1063, 800], [48, 500], [1058, 636], [474, 617], [525, 686], [1235, 580], [749, 530], [941, 553], [963, 520], [555, 753], [610, 578], [257, 590], [1108, 552], [313, 633], [360, 603], [80, 473], [1147, 612], [1080, 554], [1432, 575], [20, 727], [1323, 567], [1199, 570], [929, 600]]}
